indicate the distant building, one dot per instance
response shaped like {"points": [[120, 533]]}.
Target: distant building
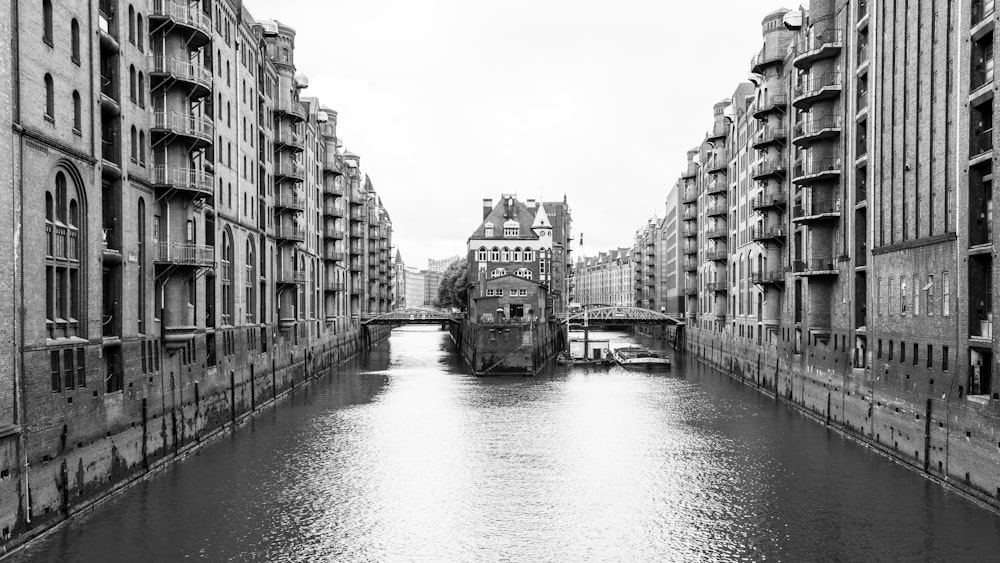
{"points": [[416, 282], [399, 282], [605, 279], [516, 260]]}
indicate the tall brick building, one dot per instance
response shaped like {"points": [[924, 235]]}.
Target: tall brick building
{"points": [[837, 228], [188, 238]]}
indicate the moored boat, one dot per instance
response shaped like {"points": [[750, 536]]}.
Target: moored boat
{"points": [[637, 356]]}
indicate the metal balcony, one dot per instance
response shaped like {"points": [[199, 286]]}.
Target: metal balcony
{"points": [[719, 130], [817, 129], [334, 286], [290, 108], [717, 187], [817, 88], [690, 291], [980, 143], [718, 164], [717, 232], [815, 267], [717, 255], [289, 233], [817, 211], [288, 169], [198, 129], [293, 277], [770, 54], [291, 140], [689, 213], [184, 16], [185, 254], [816, 170], [333, 233], [771, 103], [717, 209], [816, 46], [689, 196], [718, 286], [185, 179], [195, 75], [769, 168], [769, 200], [332, 210], [774, 277], [290, 202], [331, 164], [768, 234]]}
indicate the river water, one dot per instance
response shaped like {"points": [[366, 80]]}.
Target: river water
{"points": [[403, 455]]}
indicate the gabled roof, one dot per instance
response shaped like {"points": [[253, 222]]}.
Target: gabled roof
{"points": [[399, 257], [503, 211], [541, 218]]}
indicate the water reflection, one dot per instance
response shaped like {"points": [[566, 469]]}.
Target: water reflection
{"points": [[404, 455]]}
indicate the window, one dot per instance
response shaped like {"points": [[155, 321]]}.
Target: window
{"points": [[47, 21], [249, 282], [902, 296], [482, 254], [142, 148], [131, 25], [50, 99], [227, 277], [141, 266], [138, 31], [929, 295], [77, 114], [529, 256], [495, 254], [489, 229], [946, 302], [944, 358], [131, 83], [902, 352], [141, 95], [916, 296], [505, 255], [62, 260], [890, 349], [511, 231], [74, 37], [498, 272], [517, 254], [930, 356], [891, 294], [523, 273], [134, 139]]}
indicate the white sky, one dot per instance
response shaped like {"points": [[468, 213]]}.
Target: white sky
{"points": [[452, 101]]}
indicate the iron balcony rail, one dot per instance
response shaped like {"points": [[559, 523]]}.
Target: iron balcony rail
{"points": [[690, 266], [769, 168], [814, 265], [333, 233], [817, 45], [814, 84], [355, 267], [290, 201], [717, 255], [817, 166], [773, 232], [818, 124], [181, 70], [718, 131], [290, 139], [336, 255], [717, 286], [291, 108], [717, 232], [717, 187], [769, 200], [770, 53], [690, 291], [689, 231], [980, 142], [816, 208], [330, 187], [357, 232], [770, 134], [289, 232], [188, 125], [183, 253], [719, 163], [357, 214], [771, 102], [689, 249], [331, 163], [772, 276], [289, 168], [716, 208], [689, 213], [182, 14], [291, 276], [335, 286], [187, 179], [689, 196], [333, 210]]}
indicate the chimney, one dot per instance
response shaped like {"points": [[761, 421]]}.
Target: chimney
{"points": [[531, 204], [487, 207]]}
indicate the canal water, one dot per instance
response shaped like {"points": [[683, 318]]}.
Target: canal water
{"points": [[403, 455]]}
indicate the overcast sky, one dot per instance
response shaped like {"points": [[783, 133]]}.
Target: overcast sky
{"points": [[452, 101]]}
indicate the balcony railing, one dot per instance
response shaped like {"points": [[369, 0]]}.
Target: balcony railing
{"points": [[816, 208], [818, 125], [769, 135], [719, 130], [816, 167], [187, 179], [768, 277], [185, 254], [717, 187], [689, 196], [769, 168], [690, 213], [716, 208], [289, 232], [289, 169], [187, 125], [290, 139], [815, 85], [181, 70], [980, 142], [717, 232], [335, 286], [769, 200], [717, 255], [290, 108], [333, 210], [762, 233], [771, 102], [717, 286], [190, 16], [290, 201], [333, 233], [770, 53], [291, 276], [814, 265], [815, 46]]}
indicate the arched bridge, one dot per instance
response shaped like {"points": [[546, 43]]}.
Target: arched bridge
{"points": [[412, 316], [603, 315]]}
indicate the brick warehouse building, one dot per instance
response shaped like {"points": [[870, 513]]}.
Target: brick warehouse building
{"points": [[837, 229], [188, 238]]}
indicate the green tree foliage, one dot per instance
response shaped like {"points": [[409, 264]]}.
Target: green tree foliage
{"points": [[454, 289]]}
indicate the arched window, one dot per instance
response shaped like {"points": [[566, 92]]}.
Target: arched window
{"points": [[142, 148], [301, 302], [499, 272], [523, 273], [50, 98], [228, 302], [495, 254], [250, 281], [505, 255], [517, 254], [62, 260], [77, 113], [141, 269], [74, 37], [131, 83], [482, 255], [131, 24], [138, 31], [134, 139], [141, 95], [529, 256], [47, 21]]}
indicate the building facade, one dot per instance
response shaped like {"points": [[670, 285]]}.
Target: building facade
{"points": [[837, 228], [605, 279], [202, 239], [513, 257]]}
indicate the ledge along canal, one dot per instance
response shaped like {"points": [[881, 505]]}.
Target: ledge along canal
{"points": [[402, 454]]}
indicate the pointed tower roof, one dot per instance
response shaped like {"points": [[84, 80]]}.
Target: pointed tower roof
{"points": [[399, 257], [541, 218]]}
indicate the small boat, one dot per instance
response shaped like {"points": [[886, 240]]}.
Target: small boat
{"points": [[637, 356], [586, 352]]}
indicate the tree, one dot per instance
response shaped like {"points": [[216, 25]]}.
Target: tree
{"points": [[454, 289]]}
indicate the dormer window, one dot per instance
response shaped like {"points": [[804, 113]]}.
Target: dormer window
{"points": [[511, 232], [489, 229]]}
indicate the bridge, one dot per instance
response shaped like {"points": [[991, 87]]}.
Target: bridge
{"points": [[411, 316], [604, 315]]}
